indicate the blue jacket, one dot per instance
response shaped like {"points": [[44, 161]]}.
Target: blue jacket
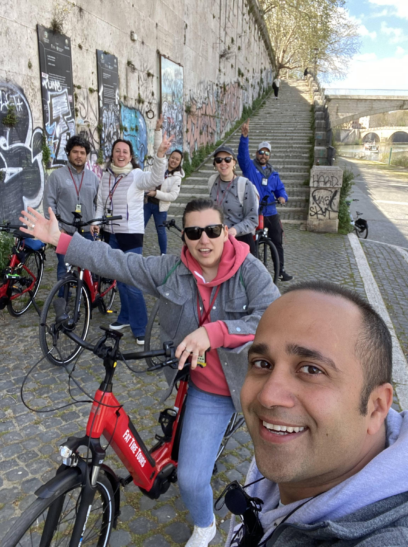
{"points": [[273, 190]]}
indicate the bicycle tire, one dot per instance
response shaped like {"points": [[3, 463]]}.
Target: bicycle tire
{"points": [[106, 302], [33, 267], [361, 234], [152, 335], [65, 350], [234, 424], [261, 252], [33, 521]]}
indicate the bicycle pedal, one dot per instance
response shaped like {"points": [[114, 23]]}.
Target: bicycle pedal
{"points": [[124, 481]]}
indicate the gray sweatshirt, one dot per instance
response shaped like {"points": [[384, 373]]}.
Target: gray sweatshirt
{"points": [[60, 194], [369, 509]]}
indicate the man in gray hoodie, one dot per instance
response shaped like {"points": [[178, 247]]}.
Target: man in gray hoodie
{"points": [[331, 455], [72, 188]]}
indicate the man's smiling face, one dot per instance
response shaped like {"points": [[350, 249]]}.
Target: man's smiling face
{"points": [[302, 393]]}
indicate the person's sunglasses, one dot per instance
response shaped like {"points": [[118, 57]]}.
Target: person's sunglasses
{"points": [[263, 153], [194, 232], [228, 159]]}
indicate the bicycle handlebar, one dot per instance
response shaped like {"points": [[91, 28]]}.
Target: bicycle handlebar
{"points": [[15, 228], [78, 223], [171, 224]]}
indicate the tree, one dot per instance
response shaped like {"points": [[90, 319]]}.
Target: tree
{"points": [[318, 34]]}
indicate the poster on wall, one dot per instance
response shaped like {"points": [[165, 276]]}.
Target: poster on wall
{"points": [[56, 91], [135, 130], [172, 100], [109, 109]]}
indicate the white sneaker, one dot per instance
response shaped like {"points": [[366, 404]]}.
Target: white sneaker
{"points": [[202, 536]]}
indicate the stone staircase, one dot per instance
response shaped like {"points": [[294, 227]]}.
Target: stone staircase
{"points": [[285, 123]]}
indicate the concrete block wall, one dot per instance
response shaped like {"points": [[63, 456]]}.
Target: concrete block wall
{"points": [[221, 44]]}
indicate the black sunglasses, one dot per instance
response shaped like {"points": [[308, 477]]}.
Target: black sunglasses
{"points": [[262, 152], [228, 159], [194, 232]]}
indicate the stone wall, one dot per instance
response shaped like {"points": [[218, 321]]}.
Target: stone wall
{"points": [[221, 45]]}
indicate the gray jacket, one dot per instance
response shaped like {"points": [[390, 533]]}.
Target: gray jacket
{"points": [[240, 303], [61, 196]]}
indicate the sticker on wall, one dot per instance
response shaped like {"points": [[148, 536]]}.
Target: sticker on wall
{"points": [[171, 88], [57, 91]]}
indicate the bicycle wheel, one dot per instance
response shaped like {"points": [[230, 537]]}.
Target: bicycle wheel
{"points": [[261, 252], [234, 424], [152, 335], [29, 279], [362, 232], [50, 521], [55, 345], [107, 290]]}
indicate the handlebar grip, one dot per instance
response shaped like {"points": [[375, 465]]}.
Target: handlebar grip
{"points": [[116, 217]]}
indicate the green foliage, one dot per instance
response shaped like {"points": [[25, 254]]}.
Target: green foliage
{"points": [[30, 65], [99, 160], [6, 244], [10, 119], [345, 226], [92, 90], [46, 152], [139, 99], [187, 109]]}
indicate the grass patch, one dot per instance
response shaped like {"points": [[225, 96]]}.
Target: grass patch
{"points": [[345, 226]]}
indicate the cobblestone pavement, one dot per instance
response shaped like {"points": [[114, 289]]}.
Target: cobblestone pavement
{"points": [[29, 441]]}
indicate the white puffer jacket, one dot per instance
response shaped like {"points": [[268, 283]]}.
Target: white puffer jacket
{"points": [[128, 198], [170, 187]]}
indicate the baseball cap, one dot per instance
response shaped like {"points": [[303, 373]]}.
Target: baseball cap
{"points": [[266, 145], [226, 149]]}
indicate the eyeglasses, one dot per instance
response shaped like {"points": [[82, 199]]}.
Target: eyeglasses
{"points": [[263, 153], [228, 159], [195, 232]]}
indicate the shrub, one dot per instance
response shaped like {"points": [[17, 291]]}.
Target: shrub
{"points": [[345, 226]]}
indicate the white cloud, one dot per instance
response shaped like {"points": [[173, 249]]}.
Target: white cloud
{"points": [[363, 31], [368, 72], [397, 35], [400, 6], [399, 51]]}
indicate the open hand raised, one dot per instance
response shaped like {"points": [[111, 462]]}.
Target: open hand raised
{"points": [[245, 128]]}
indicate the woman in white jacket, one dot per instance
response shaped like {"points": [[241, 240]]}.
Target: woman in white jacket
{"points": [[121, 192], [158, 201]]}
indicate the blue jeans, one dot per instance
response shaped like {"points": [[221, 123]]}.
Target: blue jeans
{"points": [[205, 422], [159, 217], [133, 307], [61, 269]]}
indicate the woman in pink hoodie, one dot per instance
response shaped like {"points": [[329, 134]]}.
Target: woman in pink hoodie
{"points": [[211, 300]]}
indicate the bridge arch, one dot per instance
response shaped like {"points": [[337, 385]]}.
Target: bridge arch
{"points": [[370, 137], [399, 136]]}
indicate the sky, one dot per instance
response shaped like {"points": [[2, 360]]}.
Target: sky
{"points": [[382, 62]]}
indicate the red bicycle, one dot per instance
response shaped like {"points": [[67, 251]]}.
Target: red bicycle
{"points": [[80, 291], [21, 278], [81, 504]]}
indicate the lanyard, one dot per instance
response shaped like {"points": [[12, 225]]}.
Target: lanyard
{"points": [[226, 191], [111, 192], [203, 319], [73, 180]]}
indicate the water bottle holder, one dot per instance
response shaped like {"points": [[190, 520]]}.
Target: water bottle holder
{"points": [[166, 419]]}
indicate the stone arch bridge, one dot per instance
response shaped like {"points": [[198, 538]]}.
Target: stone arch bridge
{"points": [[384, 134], [346, 105]]}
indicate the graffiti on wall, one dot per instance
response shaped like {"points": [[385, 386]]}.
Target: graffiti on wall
{"points": [[87, 126], [56, 91], [135, 130], [172, 85], [324, 203], [21, 168], [212, 115]]}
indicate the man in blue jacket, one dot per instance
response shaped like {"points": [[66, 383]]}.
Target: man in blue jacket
{"points": [[270, 187]]}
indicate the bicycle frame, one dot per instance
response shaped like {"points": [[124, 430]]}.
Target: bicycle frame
{"points": [[15, 263]]}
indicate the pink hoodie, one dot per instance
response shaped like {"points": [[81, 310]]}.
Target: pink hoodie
{"points": [[212, 378]]}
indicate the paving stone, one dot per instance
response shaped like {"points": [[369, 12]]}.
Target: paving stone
{"points": [[156, 541], [126, 513], [142, 525], [164, 514], [120, 538], [178, 531], [17, 474], [147, 504]]}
